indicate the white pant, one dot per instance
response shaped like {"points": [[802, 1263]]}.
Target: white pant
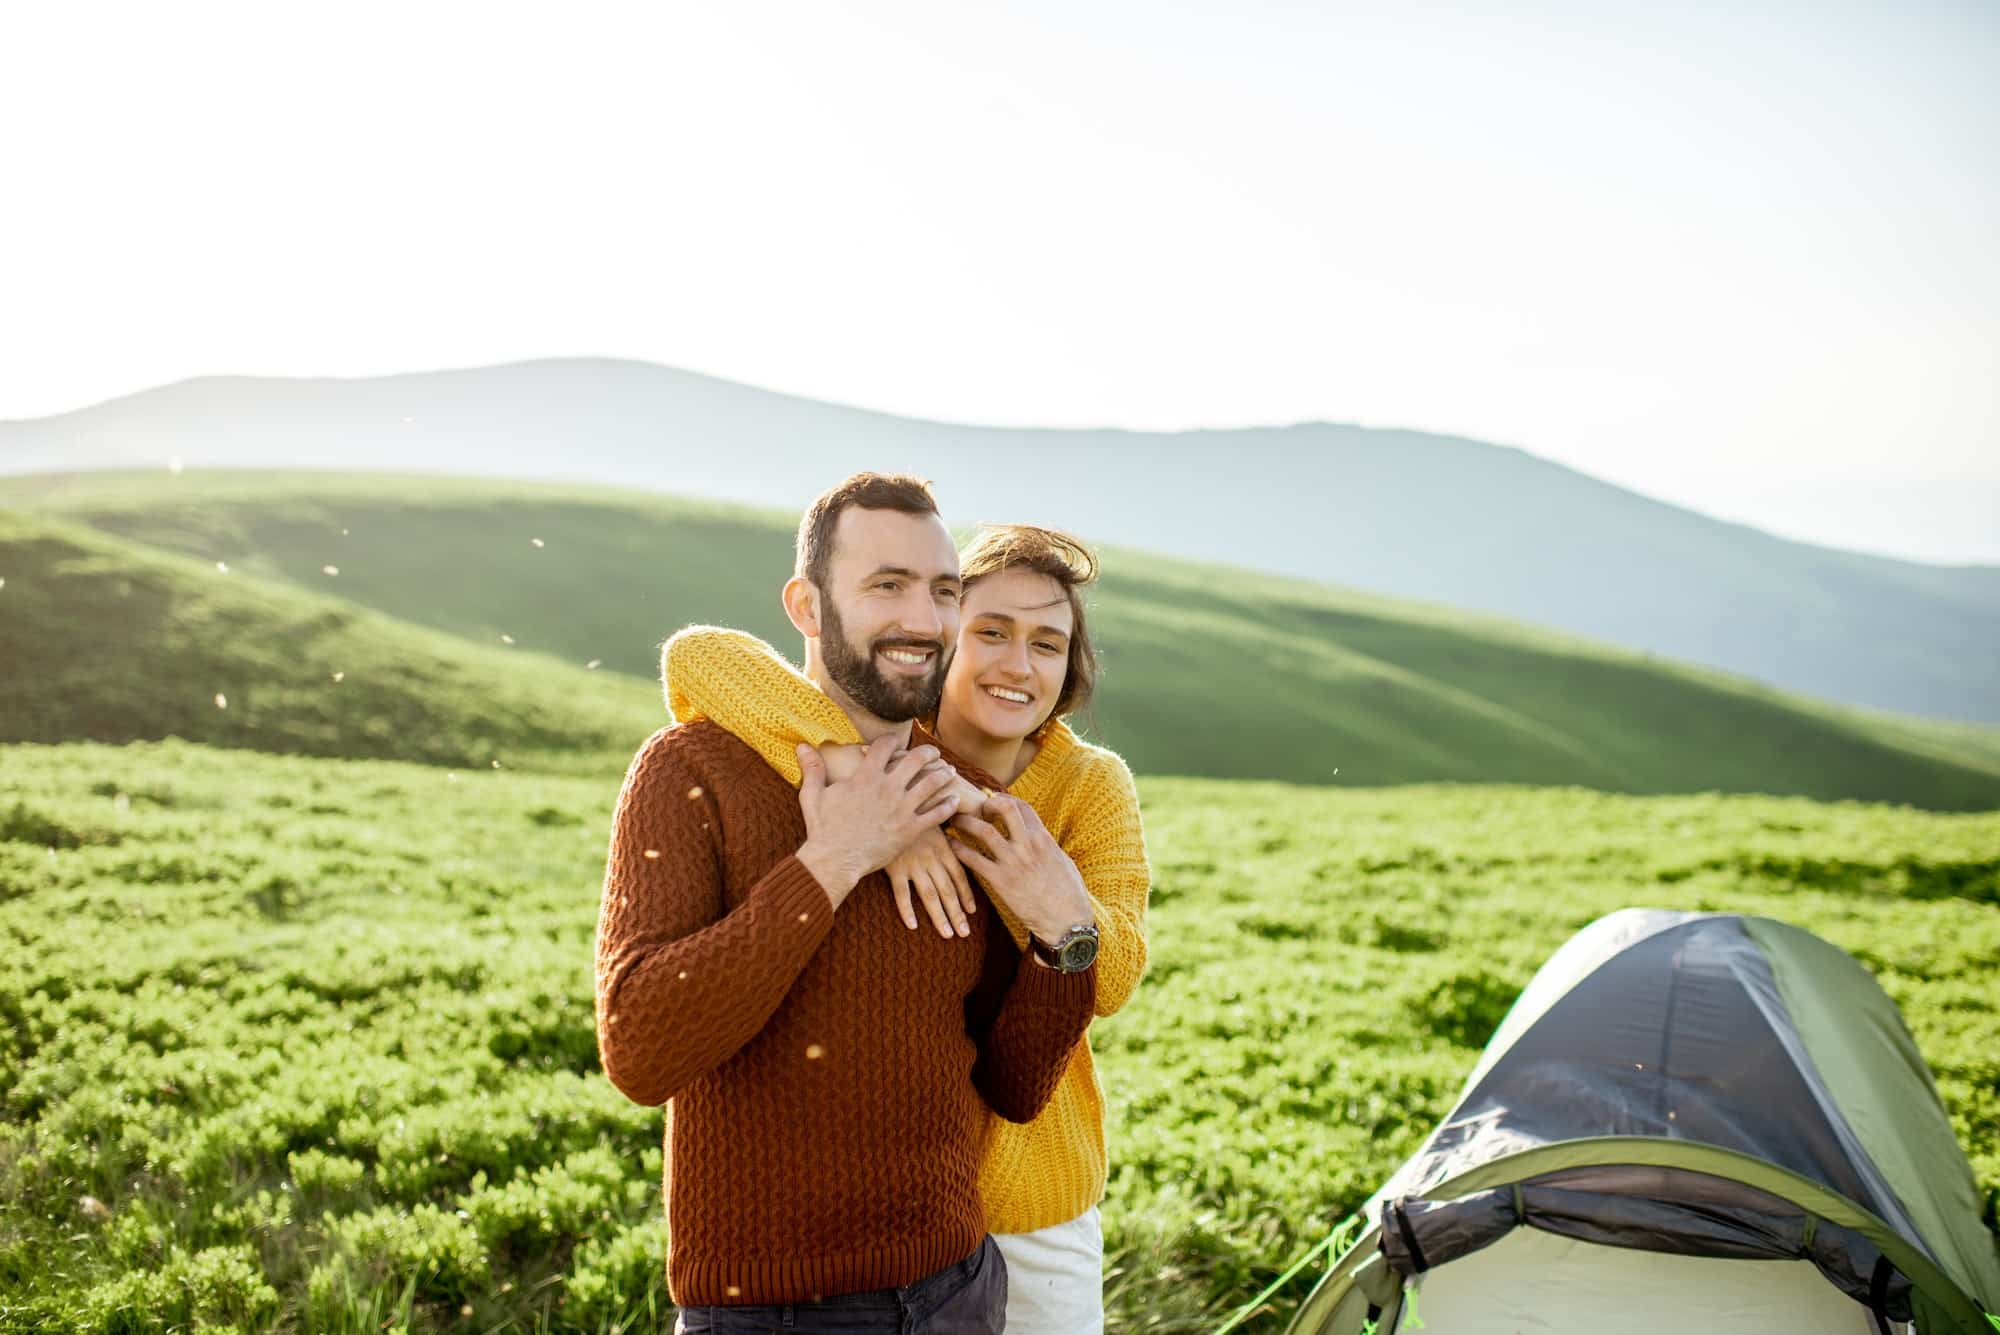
{"points": [[1055, 1278]]}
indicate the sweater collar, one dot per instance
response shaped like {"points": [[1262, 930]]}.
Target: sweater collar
{"points": [[924, 733], [1058, 746]]}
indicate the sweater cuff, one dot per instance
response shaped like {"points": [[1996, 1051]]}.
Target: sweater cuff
{"points": [[1038, 985], [795, 895]]}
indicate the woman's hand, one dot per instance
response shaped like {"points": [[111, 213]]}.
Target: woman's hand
{"points": [[925, 870], [842, 759], [855, 827], [1024, 867], [928, 871]]}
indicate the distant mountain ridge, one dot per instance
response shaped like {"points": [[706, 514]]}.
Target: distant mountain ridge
{"points": [[1439, 518]]}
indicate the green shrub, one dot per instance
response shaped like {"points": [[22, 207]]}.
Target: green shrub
{"points": [[382, 1107], [219, 1287]]}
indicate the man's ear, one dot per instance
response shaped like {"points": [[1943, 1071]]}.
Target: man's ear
{"points": [[801, 599]]}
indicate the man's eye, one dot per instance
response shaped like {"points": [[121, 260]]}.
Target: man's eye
{"points": [[889, 584], [948, 593]]}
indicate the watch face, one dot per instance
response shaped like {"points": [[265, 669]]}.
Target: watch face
{"points": [[1077, 953]]}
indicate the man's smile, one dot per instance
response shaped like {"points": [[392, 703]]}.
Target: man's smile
{"points": [[904, 659]]}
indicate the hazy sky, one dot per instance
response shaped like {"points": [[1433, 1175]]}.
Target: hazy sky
{"points": [[1737, 255]]}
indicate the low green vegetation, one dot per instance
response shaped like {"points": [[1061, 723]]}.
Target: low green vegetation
{"points": [[296, 1036], [306, 1045], [1209, 671]]}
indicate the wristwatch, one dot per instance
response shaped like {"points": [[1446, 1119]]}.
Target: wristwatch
{"points": [[1073, 952]]}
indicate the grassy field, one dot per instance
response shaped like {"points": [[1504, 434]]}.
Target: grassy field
{"points": [[303, 1042], [304, 1045], [1210, 672]]}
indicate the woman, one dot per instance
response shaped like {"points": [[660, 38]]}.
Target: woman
{"points": [[1024, 661]]}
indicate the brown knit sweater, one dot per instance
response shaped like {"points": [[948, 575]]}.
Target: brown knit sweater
{"points": [[826, 1069]]}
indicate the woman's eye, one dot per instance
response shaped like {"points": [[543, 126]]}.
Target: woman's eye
{"points": [[1046, 647]]}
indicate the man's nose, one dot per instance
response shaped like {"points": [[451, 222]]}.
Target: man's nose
{"points": [[920, 618]]}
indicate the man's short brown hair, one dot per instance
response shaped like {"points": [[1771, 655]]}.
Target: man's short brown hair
{"points": [[865, 491]]}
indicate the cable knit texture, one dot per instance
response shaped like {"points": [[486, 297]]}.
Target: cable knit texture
{"points": [[1052, 1169], [826, 1069]]}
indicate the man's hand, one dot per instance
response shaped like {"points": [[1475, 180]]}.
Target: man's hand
{"points": [[1025, 867], [928, 870], [855, 826]]}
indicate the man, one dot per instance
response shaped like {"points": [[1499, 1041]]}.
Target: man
{"points": [[829, 1071]]}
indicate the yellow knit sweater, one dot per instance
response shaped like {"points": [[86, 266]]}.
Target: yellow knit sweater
{"points": [[1052, 1169]]}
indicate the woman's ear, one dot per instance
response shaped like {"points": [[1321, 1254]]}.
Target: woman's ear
{"points": [[801, 599]]}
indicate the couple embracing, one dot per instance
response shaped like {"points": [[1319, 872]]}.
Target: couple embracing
{"points": [[882, 1113]]}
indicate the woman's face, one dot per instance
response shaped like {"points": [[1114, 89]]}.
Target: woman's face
{"points": [[1013, 653]]}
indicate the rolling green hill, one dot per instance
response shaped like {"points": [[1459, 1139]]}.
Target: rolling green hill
{"points": [[1210, 671], [107, 640], [1407, 514]]}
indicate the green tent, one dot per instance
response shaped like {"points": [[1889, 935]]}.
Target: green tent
{"points": [[1687, 1122]]}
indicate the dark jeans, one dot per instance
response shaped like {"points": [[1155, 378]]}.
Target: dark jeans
{"points": [[969, 1298]]}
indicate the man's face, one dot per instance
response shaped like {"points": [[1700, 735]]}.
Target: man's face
{"points": [[889, 611]]}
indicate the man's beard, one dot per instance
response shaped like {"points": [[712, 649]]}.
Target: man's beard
{"points": [[891, 699]]}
